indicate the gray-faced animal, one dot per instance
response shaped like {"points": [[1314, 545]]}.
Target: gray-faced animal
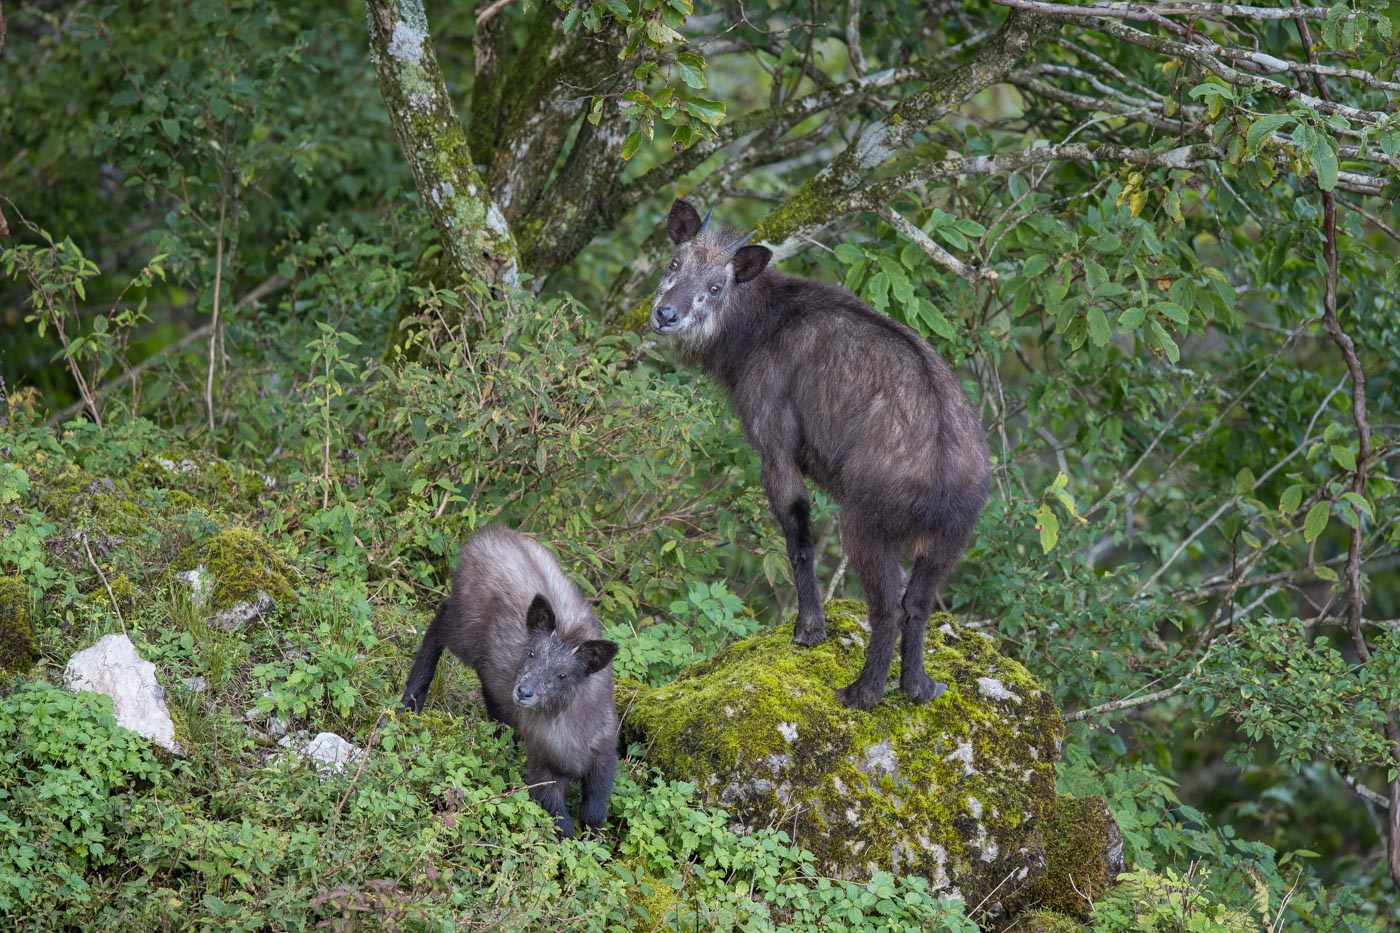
{"points": [[545, 670], [829, 388]]}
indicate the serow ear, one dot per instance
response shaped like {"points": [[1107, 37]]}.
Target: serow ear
{"points": [[596, 654], [749, 262], [540, 616], [683, 222]]}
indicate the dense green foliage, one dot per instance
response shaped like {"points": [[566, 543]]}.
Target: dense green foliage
{"points": [[214, 238]]}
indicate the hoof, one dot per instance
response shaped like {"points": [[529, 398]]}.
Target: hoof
{"points": [[853, 697], [809, 633], [922, 689]]}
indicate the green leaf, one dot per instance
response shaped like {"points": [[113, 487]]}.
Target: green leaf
{"points": [[1049, 526], [707, 111], [1165, 341], [619, 9], [1095, 276], [1344, 456], [1360, 503], [1097, 322], [1316, 520], [1325, 162], [1130, 319], [631, 144], [1244, 482], [692, 68], [1264, 126], [1290, 500], [1325, 573], [1174, 311], [849, 253], [877, 290], [936, 321], [171, 128], [1034, 265]]}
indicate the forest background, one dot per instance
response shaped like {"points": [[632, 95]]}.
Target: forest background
{"points": [[378, 276]]}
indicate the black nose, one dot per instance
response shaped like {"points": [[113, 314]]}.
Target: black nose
{"points": [[666, 315], [524, 691]]}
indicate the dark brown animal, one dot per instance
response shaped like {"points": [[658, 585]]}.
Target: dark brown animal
{"points": [[523, 626], [829, 388]]}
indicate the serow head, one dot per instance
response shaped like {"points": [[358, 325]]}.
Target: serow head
{"points": [[709, 266], [553, 669]]}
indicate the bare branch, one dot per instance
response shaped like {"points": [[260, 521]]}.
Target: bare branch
{"points": [[1128, 703], [935, 252], [490, 11], [1154, 12], [853, 36]]}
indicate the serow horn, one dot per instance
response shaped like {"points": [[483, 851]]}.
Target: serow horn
{"points": [[740, 245], [706, 222]]}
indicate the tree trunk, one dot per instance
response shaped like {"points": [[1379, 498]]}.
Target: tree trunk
{"points": [[476, 239]]}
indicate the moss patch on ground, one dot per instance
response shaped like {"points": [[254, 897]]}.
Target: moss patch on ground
{"points": [[242, 567], [955, 790], [17, 649]]}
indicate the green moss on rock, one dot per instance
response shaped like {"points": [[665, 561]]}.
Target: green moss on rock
{"points": [[17, 650], [1083, 857], [1045, 921], [237, 568], [955, 790]]}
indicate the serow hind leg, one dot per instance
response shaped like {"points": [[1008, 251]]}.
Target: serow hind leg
{"points": [[929, 571], [876, 565]]}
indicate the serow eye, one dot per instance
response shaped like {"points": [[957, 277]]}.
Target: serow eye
{"points": [[532, 654], [561, 676], [674, 265], [714, 289]]}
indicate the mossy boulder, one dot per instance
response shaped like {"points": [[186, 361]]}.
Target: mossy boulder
{"points": [[955, 790], [233, 577], [1083, 857], [18, 652]]}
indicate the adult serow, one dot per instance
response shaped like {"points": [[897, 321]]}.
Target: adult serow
{"points": [[828, 387], [522, 625]]}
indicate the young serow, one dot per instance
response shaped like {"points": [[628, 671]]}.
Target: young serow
{"points": [[829, 388], [523, 626]]}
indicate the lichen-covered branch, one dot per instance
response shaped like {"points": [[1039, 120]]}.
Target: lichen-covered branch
{"points": [[475, 237], [825, 196], [935, 252], [1154, 12]]}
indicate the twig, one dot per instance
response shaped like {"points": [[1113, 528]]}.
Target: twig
{"points": [[1130, 702], [837, 576], [214, 325], [490, 11], [853, 36], [82, 536], [1114, 705], [1228, 503]]}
